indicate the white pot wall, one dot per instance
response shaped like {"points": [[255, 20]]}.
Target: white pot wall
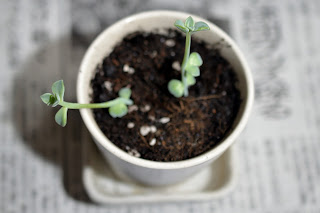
{"points": [[146, 171]]}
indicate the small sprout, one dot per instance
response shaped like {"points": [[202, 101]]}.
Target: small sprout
{"points": [[176, 88], [191, 62], [117, 107]]}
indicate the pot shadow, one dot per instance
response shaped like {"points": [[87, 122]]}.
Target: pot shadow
{"points": [[34, 121]]}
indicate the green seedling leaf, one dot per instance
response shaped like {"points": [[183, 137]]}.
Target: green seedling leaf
{"points": [[118, 111], [46, 98], [189, 23], [201, 26], [176, 88], [180, 25], [193, 70], [190, 80], [125, 93], [194, 60], [58, 90], [61, 116], [49, 99], [54, 101]]}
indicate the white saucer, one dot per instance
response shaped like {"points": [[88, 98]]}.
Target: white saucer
{"points": [[104, 187]]}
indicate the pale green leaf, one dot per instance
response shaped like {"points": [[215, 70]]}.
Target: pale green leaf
{"points": [[201, 26], [180, 25], [189, 23], [61, 116], [194, 59], [193, 70], [125, 92], [49, 99], [190, 80], [58, 89], [54, 101], [176, 88], [118, 111]]}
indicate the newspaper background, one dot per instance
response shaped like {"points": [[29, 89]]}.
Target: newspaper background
{"points": [[43, 40]]}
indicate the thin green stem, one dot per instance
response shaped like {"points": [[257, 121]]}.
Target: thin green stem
{"points": [[96, 105], [184, 63]]}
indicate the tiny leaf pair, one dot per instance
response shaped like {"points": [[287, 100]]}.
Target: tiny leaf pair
{"points": [[55, 99], [190, 26], [117, 107], [191, 62], [57, 96], [176, 87]]}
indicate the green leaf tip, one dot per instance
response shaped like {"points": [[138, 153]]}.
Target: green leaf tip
{"points": [[125, 92], [118, 110], [193, 70], [201, 26], [189, 23], [49, 99], [58, 89], [176, 88], [195, 60], [61, 116], [190, 80], [180, 25], [46, 97]]}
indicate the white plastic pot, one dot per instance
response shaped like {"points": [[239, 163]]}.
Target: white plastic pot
{"points": [[147, 171]]}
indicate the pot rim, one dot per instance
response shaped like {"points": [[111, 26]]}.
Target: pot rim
{"points": [[211, 154]]}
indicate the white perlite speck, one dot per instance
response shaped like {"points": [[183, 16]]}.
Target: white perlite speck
{"points": [[176, 65], [170, 43], [153, 129], [146, 108], [108, 85], [153, 142], [154, 54], [152, 118], [128, 69], [130, 125], [134, 153], [144, 130], [164, 120], [132, 108]]}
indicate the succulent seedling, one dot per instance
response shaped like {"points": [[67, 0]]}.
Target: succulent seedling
{"points": [[117, 107], [191, 62]]}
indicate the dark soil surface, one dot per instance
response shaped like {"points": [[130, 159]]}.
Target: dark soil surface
{"points": [[197, 123]]}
